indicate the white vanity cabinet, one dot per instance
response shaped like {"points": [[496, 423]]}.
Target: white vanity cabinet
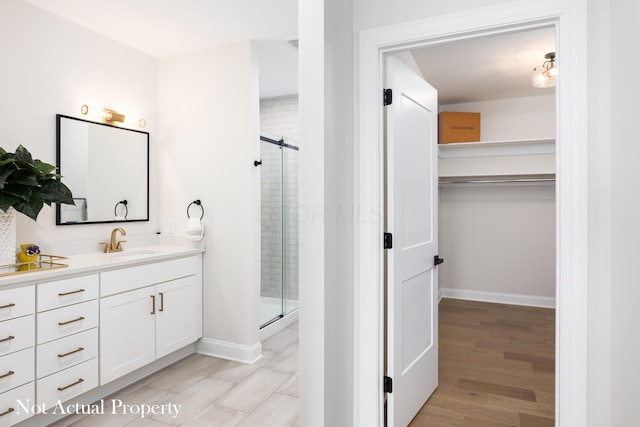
{"points": [[17, 340], [67, 338], [147, 312]]}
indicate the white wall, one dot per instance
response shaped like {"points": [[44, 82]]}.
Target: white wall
{"points": [[530, 117], [52, 66], [599, 378], [625, 201], [311, 24], [378, 13], [498, 239], [209, 138], [327, 213]]}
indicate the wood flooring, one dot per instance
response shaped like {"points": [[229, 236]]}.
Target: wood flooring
{"points": [[497, 365]]}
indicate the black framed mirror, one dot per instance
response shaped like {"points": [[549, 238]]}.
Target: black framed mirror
{"points": [[107, 169]]}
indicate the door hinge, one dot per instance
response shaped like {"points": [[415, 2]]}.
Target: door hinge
{"points": [[387, 96], [388, 241], [388, 384], [437, 260]]}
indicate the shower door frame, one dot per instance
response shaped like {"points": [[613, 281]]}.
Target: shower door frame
{"points": [[283, 176]]}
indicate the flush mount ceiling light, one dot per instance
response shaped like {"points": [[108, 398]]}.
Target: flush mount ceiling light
{"points": [[112, 117], [545, 75]]}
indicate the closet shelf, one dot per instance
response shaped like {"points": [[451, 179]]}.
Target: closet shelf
{"points": [[517, 147]]}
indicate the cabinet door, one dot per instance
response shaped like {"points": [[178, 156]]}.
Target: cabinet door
{"points": [[177, 315], [127, 333]]}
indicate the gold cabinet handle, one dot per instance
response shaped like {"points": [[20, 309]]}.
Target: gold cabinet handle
{"points": [[161, 302], [8, 411], [153, 304], [71, 385], [7, 306], [70, 293], [9, 338], [8, 374], [71, 352], [71, 321]]}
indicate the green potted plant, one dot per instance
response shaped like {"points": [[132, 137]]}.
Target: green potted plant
{"points": [[25, 186]]}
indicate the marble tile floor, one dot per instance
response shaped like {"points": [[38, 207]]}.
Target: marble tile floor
{"points": [[215, 392]]}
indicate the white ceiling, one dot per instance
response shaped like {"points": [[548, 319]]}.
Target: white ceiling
{"points": [[168, 27], [479, 69], [163, 28]]}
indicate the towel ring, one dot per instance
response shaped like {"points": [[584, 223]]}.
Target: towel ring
{"points": [[126, 209], [199, 203]]}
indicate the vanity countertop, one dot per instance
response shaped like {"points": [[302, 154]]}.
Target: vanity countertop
{"points": [[96, 262]]}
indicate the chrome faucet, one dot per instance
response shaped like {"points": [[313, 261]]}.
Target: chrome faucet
{"points": [[112, 245]]}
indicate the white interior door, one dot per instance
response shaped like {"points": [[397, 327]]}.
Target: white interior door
{"points": [[411, 207]]}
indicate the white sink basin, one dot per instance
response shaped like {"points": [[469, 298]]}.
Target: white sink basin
{"points": [[133, 254]]}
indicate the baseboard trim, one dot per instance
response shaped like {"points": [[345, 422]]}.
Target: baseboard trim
{"points": [[501, 298], [229, 350]]}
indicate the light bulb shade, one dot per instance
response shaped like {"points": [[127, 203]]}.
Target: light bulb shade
{"points": [[543, 77]]}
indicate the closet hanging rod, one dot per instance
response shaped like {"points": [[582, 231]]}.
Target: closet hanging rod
{"points": [[496, 181]]}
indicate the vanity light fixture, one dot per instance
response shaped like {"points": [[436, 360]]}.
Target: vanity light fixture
{"points": [[545, 75], [112, 117]]}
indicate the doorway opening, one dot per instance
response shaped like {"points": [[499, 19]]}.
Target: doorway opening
{"points": [[495, 220], [571, 190]]}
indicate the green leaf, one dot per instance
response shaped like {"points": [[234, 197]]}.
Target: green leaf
{"points": [[7, 201], [30, 208], [23, 192], [7, 161], [26, 184], [3, 178], [43, 167], [24, 178], [23, 154], [54, 191], [27, 167]]}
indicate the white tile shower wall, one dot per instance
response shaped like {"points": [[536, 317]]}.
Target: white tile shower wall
{"points": [[279, 118], [271, 221]]}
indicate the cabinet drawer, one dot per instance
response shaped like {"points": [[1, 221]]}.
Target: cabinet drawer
{"points": [[66, 352], [66, 292], [68, 384], [17, 302], [16, 369], [66, 321], [126, 279], [11, 412], [17, 334]]}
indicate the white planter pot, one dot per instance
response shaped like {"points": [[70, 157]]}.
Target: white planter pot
{"points": [[7, 239]]}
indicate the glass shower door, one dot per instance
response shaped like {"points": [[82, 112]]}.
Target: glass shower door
{"points": [[279, 229], [290, 199], [271, 259]]}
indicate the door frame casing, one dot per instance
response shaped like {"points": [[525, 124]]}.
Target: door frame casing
{"points": [[569, 17]]}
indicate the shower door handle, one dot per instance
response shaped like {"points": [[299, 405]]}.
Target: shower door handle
{"points": [[257, 163]]}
